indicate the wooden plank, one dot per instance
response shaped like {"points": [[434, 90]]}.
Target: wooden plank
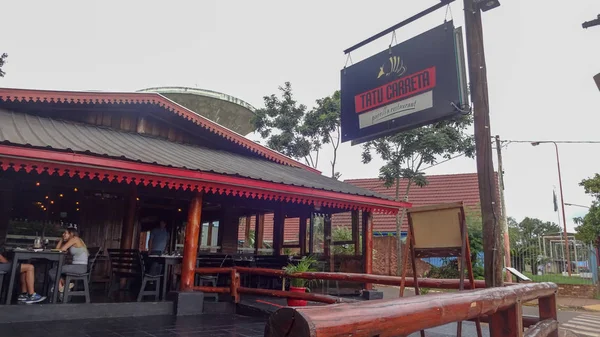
{"points": [[289, 294], [355, 232]]}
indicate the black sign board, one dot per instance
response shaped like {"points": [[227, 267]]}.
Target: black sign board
{"points": [[415, 83]]}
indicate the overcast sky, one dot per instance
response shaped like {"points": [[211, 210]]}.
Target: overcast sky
{"points": [[540, 67]]}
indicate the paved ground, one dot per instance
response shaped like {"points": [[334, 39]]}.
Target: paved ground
{"points": [[152, 326]]}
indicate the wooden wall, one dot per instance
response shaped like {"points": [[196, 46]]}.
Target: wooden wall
{"points": [[102, 222]]}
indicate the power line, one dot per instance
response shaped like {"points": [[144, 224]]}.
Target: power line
{"points": [[555, 141]]}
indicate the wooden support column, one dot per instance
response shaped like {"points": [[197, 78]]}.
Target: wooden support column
{"points": [[356, 233], [5, 210], [259, 232], [367, 229], [128, 228], [547, 310], [247, 232], [328, 244], [278, 224], [190, 248], [507, 323], [311, 234], [302, 236]]}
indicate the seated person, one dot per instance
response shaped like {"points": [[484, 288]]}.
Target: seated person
{"points": [[74, 244], [27, 277]]}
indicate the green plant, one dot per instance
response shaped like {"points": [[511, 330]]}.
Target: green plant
{"points": [[303, 266]]}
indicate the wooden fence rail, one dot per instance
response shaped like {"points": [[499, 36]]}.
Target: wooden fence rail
{"points": [[403, 316]]}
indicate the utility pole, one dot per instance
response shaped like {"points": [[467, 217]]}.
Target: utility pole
{"points": [[483, 145], [504, 218]]}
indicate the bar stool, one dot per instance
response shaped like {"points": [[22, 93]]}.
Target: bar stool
{"points": [[146, 279], [210, 281], [84, 278]]}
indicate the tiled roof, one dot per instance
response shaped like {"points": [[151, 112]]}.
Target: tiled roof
{"points": [[45, 133], [441, 189]]}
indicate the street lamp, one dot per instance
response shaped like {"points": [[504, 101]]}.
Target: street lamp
{"points": [[562, 202], [576, 205]]}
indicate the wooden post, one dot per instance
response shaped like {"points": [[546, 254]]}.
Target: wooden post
{"points": [[492, 230], [190, 248], [5, 210], [367, 229], [327, 240], [355, 233], [507, 323], [302, 236], [278, 224], [547, 310], [259, 232], [247, 232], [129, 219], [311, 234]]}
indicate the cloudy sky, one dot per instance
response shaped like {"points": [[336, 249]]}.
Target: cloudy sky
{"points": [[540, 67]]}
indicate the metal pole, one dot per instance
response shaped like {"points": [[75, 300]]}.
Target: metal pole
{"points": [[562, 202], [576, 259], [504, 217]]}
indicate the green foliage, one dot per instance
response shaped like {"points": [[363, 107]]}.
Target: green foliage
{"points": [[323, 123], [340, 233], [588, 229], [296, 132], [404, 153], [524, 237], [304, 265], [2, 62]]}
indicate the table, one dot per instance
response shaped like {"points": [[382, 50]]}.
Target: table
{"points": [[20, 255], [168, 262]]}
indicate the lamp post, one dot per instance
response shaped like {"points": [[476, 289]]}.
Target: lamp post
{"points": [[576, 205], [562, 203]]}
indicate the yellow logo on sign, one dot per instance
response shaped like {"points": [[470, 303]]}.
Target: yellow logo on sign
{"points": [[395, 66]]}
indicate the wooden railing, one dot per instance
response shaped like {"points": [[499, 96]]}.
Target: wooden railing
{"points": [[500, 307], [400, 317]]}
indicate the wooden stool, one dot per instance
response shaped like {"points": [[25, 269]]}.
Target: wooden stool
{"points": [[210, 281]]}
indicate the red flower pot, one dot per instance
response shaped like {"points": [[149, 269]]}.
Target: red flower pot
{"points": [[296, 303]]}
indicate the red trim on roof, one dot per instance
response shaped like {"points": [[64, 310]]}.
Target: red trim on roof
{"points": [[46, 96], [113, 169]]}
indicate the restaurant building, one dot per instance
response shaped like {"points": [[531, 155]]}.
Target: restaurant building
{"points": [[115, 164]]}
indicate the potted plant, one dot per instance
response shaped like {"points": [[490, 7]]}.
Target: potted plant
{"points": [[299, 284]]}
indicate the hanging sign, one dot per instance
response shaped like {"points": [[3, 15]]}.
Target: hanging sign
{"points": [[415, 83]]}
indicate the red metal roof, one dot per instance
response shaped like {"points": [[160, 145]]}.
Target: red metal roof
{"points": [[441, 189]]}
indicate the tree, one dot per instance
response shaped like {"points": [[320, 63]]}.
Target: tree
{"points": [[525, 239], [281, 123], [588, 230], [2, 62], [323, 122], [405, 153]]}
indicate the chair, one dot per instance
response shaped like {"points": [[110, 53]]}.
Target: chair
{"points": [[146, 278], [83, 278], [124, 264]]}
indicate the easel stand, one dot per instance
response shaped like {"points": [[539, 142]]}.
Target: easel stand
{"points": [[438, 231]]}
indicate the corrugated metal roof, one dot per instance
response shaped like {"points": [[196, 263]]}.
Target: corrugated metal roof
{"points": [[27, 130]]}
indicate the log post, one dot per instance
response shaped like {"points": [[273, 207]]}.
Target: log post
{"points": [[190, 248], [367, 228], [547, 310], [5, 209], [355, 233], [302, 236], [311, 234], [507, 323], [328, 246], [259, 232], [278, 224], [247, 232], [129, 219]]}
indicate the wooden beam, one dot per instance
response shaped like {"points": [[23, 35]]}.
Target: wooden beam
{"points": [[278, 229], [507, 323], [259, 232], [399, 317], [190, 248], [356, 233], [367, 229], [128, 226], [311, 234], [302, 236], [289, 294], [247, 232], [327, 239]]}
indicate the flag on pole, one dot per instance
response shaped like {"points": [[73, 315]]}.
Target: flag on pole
{"points": [[555, 201]]}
